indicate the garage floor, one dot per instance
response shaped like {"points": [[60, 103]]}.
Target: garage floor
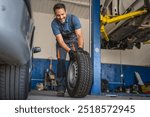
{"points": [[51, 95]]}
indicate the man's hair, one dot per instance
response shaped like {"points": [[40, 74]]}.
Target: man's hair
{"points": [[59, 6]]}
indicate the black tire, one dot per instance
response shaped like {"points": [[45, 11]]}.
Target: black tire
{"points": [[79, 75], [14, 82]]}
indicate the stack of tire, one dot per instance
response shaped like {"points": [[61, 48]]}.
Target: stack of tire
{"points": [[79, 75]]}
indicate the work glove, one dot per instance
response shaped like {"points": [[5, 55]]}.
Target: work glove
{"points": [[72, 55], [80, 49]]}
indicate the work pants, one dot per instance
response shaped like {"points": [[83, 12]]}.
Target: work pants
{"points": [[61, 65]]}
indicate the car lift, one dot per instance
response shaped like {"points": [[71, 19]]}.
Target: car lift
{"points": [[109, 19]]}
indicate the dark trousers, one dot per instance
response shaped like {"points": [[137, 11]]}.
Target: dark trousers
{"points": [[61, 65]]}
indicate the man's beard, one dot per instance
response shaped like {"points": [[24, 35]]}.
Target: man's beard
{"points": [[62, 21]]}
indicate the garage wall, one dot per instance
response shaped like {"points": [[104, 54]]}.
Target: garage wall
{"points": [[45, 39], [138, 57], [110, 72], [43, 35]]}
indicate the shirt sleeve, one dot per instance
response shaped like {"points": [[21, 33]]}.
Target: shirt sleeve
{"points": [[55, 28], [76, 22]]}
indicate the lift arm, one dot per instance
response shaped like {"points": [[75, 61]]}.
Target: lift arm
{"points": [[107, 20]]}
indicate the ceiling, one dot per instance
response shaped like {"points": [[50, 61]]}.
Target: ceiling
{"points": [[81, 8]]}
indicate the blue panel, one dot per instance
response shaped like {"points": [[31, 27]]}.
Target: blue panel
{"points": [[95, 50], [39, 69], [112, 72], [129, 74]]}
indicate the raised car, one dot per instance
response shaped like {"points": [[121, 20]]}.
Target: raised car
{"points": [[130, 32]]}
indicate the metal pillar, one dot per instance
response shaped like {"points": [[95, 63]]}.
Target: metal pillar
{"points": [[95, 47]]}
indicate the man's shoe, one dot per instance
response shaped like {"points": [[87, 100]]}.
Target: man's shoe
{"points": [[60, 93]]}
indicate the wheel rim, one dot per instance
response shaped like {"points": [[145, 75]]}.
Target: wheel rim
{"points": [[72, 74]]}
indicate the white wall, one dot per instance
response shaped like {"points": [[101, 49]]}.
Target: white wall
{"points": [[45, 39], [136, 56]]}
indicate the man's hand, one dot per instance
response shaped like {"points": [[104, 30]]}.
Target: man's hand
{"points": [[72, 55]]}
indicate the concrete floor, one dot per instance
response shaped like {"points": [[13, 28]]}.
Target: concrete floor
{"points": [[51, 95]]}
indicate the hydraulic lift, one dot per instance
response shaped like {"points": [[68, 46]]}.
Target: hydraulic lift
{"points": [[109, 19]]}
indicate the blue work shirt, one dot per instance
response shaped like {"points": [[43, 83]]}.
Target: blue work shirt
{"points": [[66, 29]]}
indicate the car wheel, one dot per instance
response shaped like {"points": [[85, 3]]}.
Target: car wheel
{"points": [[14, 82], [79, 75]]}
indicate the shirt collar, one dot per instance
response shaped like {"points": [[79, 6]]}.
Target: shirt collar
{"points": [[67, 19]]}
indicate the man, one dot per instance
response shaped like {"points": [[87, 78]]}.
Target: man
{"points": [[67, 30]]}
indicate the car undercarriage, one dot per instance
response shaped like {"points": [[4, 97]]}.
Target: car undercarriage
{"points": [[129, 32]]}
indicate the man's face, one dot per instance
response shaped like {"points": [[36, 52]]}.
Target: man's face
{"points": [[60, 15]]}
